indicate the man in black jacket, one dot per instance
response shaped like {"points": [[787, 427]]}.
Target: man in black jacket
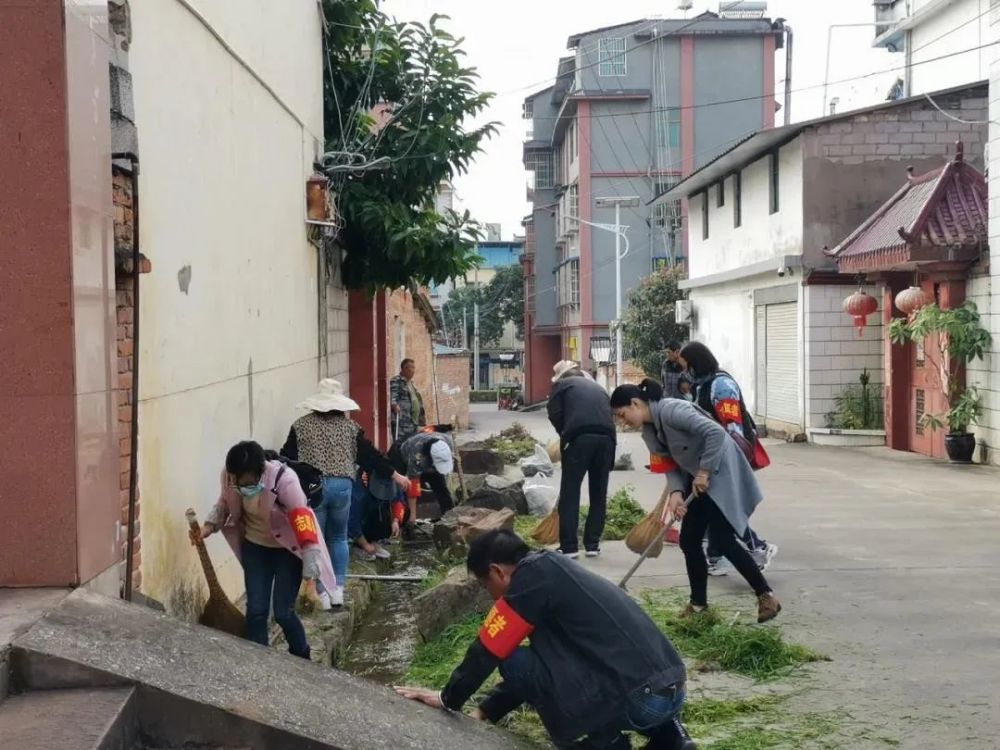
{"points": [[580, 410], [596, 666]]}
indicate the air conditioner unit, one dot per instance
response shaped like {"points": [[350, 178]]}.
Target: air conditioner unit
{"points": [[683, 312]]}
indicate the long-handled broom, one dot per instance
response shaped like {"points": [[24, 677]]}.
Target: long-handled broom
{"points": [[652, 545], [220, 613]]}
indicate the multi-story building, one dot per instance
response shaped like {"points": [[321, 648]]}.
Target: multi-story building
{"points": [[634, 108]]}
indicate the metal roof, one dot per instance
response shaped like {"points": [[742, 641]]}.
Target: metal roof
{"points": [[756, 144]]}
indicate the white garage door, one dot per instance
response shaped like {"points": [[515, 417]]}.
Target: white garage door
{"points": [[783, 399]]}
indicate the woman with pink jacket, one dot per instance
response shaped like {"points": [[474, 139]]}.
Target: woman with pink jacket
{"points": [[264, 516]]}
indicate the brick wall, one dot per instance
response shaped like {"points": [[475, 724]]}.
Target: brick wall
{"points": [[409, 337], [337, 328], [986, 290], [124, 223], [835, 356]]}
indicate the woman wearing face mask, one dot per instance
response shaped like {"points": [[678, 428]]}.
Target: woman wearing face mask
{"points": [[264, 516], [725, 488]]}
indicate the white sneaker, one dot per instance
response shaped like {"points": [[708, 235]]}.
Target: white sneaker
{"points": [[764, 556], [337, 597], [570, 555], [593, 553], [324, 602], [720, 567], [381, 553]]}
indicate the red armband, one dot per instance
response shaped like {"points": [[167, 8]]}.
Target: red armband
{"points": [[659, 464], [399, 511], [503, 630], [304, 525], [729, 412]]}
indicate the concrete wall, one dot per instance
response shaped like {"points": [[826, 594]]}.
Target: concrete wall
{"points": [[230, 331], [835, 355], [853, 166], [962, 25], [761, 235]]}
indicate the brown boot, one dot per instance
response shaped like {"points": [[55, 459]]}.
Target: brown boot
{"points": [[691, 610], [768, 607]]}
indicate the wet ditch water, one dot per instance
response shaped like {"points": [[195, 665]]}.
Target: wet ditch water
{"points": [[382, 645]]}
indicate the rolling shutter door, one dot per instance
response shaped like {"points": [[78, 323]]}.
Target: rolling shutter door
{"points": [[782, 390]]}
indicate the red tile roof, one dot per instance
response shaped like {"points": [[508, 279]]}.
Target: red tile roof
{"points": [[941, 216]]}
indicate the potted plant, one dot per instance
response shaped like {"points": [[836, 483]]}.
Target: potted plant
{"points": [[958, 339], [857, 420]]}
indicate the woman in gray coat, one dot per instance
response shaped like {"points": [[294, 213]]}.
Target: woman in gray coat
{"points": [[709, 463]]}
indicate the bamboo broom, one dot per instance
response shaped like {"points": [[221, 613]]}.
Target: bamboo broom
{"points": [[219, 613]]}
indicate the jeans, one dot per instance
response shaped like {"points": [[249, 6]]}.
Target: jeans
{"points": [[704, 515], [593, 455], [360, 498], [527, 678], [266, 569], [333, 515]]}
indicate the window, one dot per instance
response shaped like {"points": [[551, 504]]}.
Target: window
{"points": [[574, 204], [559, 174], [528, 109], [737, 199], [540, 162], [529, 292], [572, 143], [611, 56], [568, 283], [666, 213], [668, 128], [774, 182], [704, 215], [720, 194]]}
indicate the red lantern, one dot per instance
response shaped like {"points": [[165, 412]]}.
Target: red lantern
{"points": [[859, 306], [912, 299]]}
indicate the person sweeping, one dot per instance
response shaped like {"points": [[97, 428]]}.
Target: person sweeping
{"points": [[713, 466]]}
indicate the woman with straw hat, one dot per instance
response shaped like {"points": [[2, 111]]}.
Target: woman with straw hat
{"points": [[329, 440]]}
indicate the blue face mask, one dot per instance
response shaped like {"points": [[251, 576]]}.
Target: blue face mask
{"points": [[251, 490]]}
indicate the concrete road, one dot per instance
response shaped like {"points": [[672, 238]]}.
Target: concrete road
{"points": [[888, 564]]}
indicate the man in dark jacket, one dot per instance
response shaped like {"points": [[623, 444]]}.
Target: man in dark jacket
{"points": [[580, 410], [671, 370], [597, 665]]}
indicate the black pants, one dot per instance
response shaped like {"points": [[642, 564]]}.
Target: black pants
{"points": [[439, 484], [593, 455], [704, 515]]}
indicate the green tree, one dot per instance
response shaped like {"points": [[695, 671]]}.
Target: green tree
{"points": [[648, 324], [385, 171], [501, 301]]}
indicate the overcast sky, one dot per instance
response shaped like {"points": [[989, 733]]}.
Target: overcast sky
{"points": [[515, 45]]}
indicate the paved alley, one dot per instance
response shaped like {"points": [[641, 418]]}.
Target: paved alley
{"points": [[888, 564]]}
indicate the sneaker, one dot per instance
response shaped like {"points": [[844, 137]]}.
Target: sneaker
{"points": [[571, 555], [763, 555], [359, 554], [768, 607], [337, 597], [324, 602], [692, 609], [381, 553], [593, 552], [719, 566]]}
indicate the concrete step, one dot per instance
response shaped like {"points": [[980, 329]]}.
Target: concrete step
{"points": [[98, 719]]}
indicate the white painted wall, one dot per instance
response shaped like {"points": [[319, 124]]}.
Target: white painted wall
{"points": [[225, 153], [835, 355], [761, 235], [962, 25], [725, 322]]}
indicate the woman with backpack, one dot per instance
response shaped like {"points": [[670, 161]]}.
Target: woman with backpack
{"points": [[331, 441], [711, 466], [717, 392], [263, 514]]}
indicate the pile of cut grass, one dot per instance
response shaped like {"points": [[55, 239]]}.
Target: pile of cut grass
{"points": [[716, 641]]}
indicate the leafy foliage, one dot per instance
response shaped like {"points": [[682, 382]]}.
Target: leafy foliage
{"points": [[500, 301], [392, 233], [648, 324], [956, 337], [513, 443], [859, 407]]}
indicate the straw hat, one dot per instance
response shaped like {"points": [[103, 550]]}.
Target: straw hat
{"points": [[331, 397], [562, 367]]}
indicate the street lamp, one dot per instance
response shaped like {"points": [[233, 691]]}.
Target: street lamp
{"points": [[629, 202]]}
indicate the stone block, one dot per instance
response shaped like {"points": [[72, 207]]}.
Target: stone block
{"points": [[478, 459], [458, 595], [498, 493]]}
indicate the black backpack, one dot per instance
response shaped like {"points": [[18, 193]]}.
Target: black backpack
{"points": [[310, 478]]}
